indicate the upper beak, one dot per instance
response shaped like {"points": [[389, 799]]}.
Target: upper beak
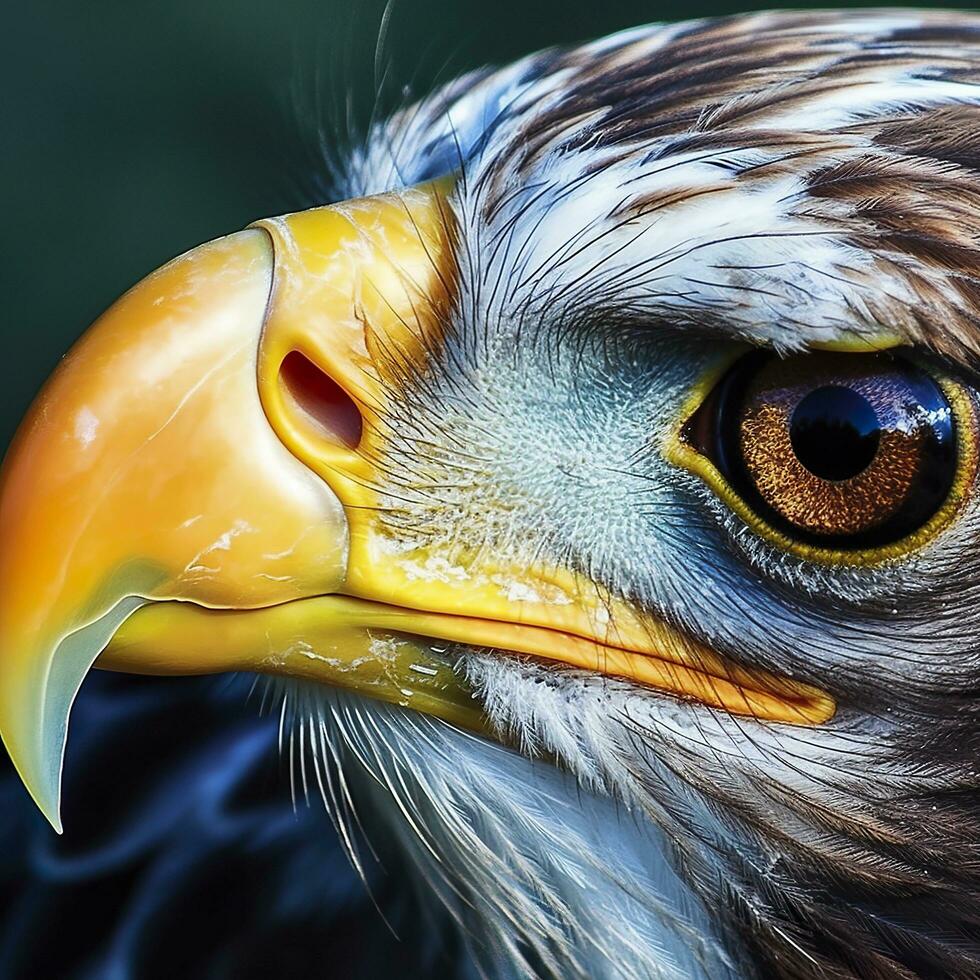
{"points": [[196, 489]]}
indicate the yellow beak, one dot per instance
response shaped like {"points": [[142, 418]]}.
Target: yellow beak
{"points": [[197, 489]]}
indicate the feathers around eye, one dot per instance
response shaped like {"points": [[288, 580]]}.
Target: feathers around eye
{"points": [[790, 181]]}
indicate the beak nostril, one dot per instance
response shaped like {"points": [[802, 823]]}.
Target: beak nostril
{"points": [[316, 394]]}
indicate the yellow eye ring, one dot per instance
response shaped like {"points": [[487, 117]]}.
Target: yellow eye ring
{"points": [[679, 451]]}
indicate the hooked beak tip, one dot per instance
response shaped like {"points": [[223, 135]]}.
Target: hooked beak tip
{"points": [[39, 766]]}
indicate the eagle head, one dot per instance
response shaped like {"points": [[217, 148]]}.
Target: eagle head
{"points": [[598, 483]]}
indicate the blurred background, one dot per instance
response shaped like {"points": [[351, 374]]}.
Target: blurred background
{"points": [[131, 131]]}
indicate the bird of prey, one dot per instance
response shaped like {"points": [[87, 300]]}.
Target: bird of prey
{"points": [[598, 483]]}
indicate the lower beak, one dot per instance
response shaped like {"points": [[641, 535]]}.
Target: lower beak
{"points": [[196, 489]]}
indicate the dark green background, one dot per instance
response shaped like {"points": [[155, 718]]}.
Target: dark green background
{"points": [[131, 131]]}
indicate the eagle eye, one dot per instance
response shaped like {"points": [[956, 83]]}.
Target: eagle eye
{"points": [[857, 457]]}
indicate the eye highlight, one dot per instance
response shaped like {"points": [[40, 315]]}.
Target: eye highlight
{"points": [[847, 457]]}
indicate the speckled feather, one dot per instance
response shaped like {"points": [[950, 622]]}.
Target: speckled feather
{"points": [[822, 168]]}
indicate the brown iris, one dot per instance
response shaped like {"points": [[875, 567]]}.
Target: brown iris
{"points": [[842, 450]]}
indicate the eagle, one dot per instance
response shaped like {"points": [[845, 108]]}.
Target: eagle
{"points": [[594, 478]]}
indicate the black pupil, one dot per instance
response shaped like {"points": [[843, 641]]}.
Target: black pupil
{"points": [[835, 432]]}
